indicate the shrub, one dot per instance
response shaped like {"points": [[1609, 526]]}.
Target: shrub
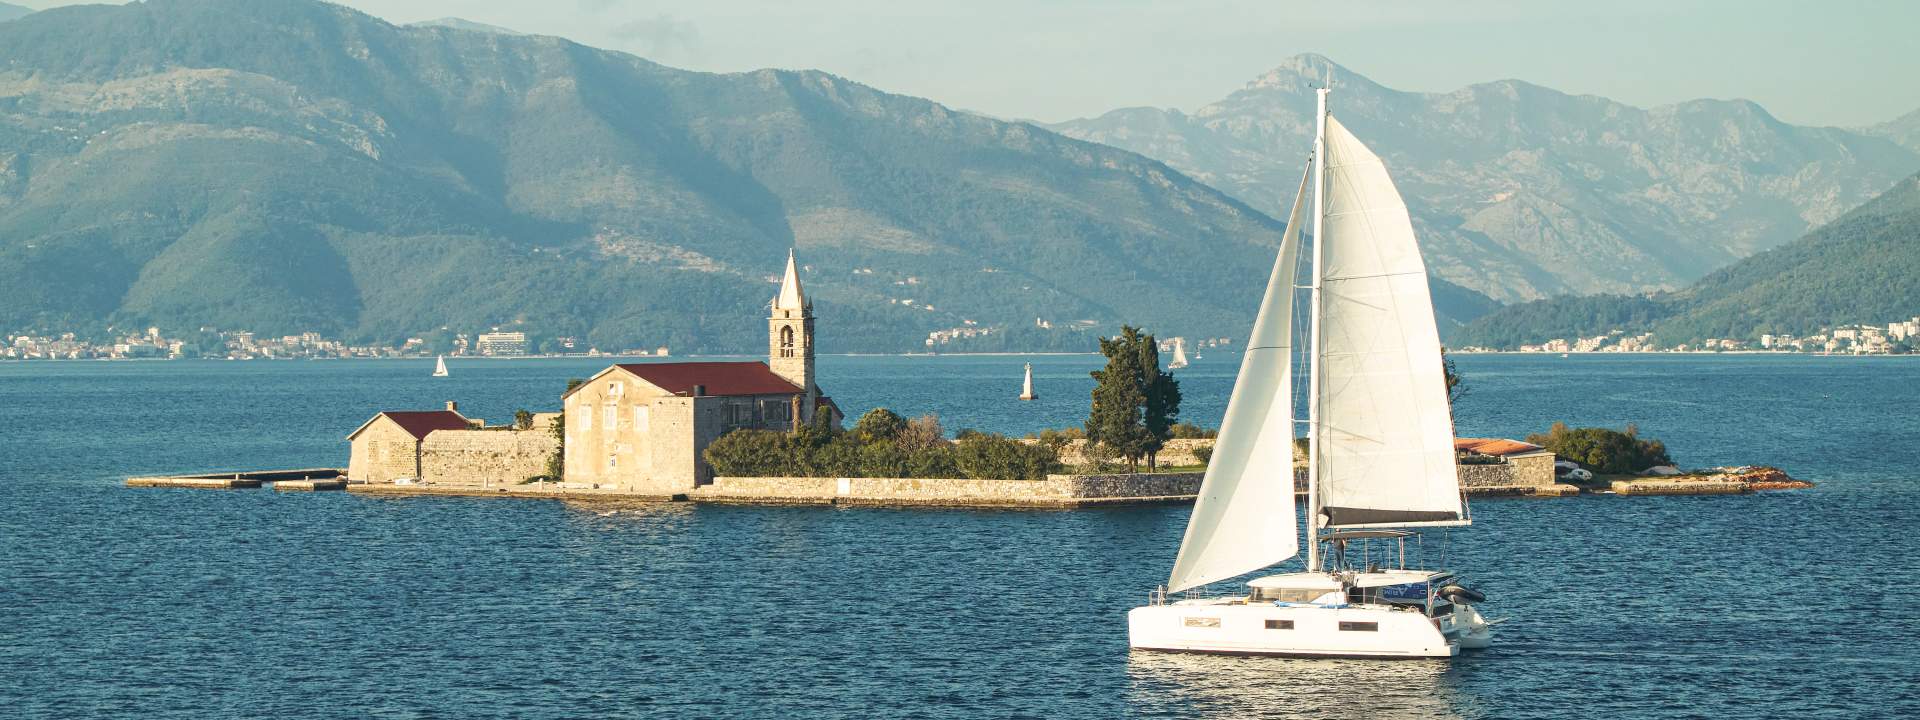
{"points": [[1190, 431], [882, 444], [933, 462], [1602, 450], [879, 425], [1098, 458], [993, 456], [922, 433], [1204, 454], [750, 453]]}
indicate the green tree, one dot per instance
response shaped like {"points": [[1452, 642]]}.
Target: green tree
{"points": [[1456, 385], [1134, 403], [522, 420], [557, 462]]}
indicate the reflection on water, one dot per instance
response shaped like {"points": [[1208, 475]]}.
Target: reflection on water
{"points": [[1232, 686]]}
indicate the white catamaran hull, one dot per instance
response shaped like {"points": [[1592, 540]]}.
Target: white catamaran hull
{"points": [[1306, 631]]}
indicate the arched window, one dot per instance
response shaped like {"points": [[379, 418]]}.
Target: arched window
{"points": [[786, 341]]}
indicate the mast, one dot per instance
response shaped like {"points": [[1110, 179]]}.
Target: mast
{"points": [[1313, 351]]}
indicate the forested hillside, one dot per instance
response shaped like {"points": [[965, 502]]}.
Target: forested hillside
{"points": [[287, 165]]}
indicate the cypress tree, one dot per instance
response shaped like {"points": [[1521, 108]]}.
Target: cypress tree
{"points": [[1134, 404]]}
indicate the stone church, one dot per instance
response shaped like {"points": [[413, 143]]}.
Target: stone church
{"points": [[641, 427], [634, 427]]}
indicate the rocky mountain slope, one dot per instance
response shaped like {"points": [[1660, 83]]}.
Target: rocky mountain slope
{"points": [[1521, 191], [1862, 268], [282, 165]]}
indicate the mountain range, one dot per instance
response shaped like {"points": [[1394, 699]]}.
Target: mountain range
{"points": [[1523, 192], [1861, 268], [9, 11], [286, 165]]}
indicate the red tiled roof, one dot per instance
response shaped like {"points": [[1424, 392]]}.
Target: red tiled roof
{"points": [[419, 423], [1494, 446], [720, 378]]}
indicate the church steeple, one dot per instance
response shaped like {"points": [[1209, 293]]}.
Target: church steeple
{"points": [[790, 337], [790, 297]]}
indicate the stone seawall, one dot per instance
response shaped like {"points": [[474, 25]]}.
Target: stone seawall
{"points": [[1177, 453], [1054, 492], [485, 458]]}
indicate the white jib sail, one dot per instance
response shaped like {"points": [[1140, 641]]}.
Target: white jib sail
{"points": [[1243, 519], [1386, 432]]}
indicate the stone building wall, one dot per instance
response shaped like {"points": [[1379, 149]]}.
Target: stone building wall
{"points": [[1533, 470], [383, 453], [485, 458], [1473, 476]]}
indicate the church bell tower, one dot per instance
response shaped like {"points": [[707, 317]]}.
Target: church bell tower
{"points": [[790, 338]]}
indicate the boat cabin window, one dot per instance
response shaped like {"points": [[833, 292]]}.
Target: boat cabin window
{"points": [[1279, 624], [1203, 622], [1293, 595], [1360, 626]]}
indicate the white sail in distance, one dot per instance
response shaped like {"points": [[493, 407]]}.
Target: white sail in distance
{"points": [[1385, 431], [1243, 519]]}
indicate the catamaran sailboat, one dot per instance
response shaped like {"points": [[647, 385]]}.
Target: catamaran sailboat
{"points": [[1380, 450], [1179, 354], [440, 366]]}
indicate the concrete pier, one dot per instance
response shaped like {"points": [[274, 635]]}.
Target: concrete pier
{"points": [[309, 485], [304, 479]]}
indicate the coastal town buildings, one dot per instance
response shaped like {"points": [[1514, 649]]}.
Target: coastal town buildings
{"points": [[1899, 337], [502, 343]]}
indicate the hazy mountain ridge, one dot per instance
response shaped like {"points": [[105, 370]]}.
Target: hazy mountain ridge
{"points": [[283, 165], [1522, 191], [1904, 130], [459, 23], [9, 11], [1862, 268]]}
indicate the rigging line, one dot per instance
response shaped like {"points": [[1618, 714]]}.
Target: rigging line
{"points": [[1400, 273]]}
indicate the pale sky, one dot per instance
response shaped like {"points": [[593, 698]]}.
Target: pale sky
{"points": [[1834, 62]]}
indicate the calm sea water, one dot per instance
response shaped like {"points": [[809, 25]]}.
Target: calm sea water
{"points": [[194, 604]]}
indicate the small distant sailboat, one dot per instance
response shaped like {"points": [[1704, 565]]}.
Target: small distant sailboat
{"points": [[1026, 389], [440, 367], [1179, 354], [1380, 450]]}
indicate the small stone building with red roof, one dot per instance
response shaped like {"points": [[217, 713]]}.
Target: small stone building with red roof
{"points": [[387, 447], [1518, 463], [641, 427]]}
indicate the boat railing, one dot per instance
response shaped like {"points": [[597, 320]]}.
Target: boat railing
{"points": [[1159, 595]]}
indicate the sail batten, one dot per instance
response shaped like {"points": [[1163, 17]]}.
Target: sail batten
{"points": [[1243, 519], [1383, 433]]}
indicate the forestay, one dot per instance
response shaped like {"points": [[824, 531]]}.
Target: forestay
{"points": [[1244, 518], [1385, 434]]}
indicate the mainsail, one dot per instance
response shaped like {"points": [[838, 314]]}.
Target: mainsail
{"points": [[1385, 432], [1244, 519]]}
